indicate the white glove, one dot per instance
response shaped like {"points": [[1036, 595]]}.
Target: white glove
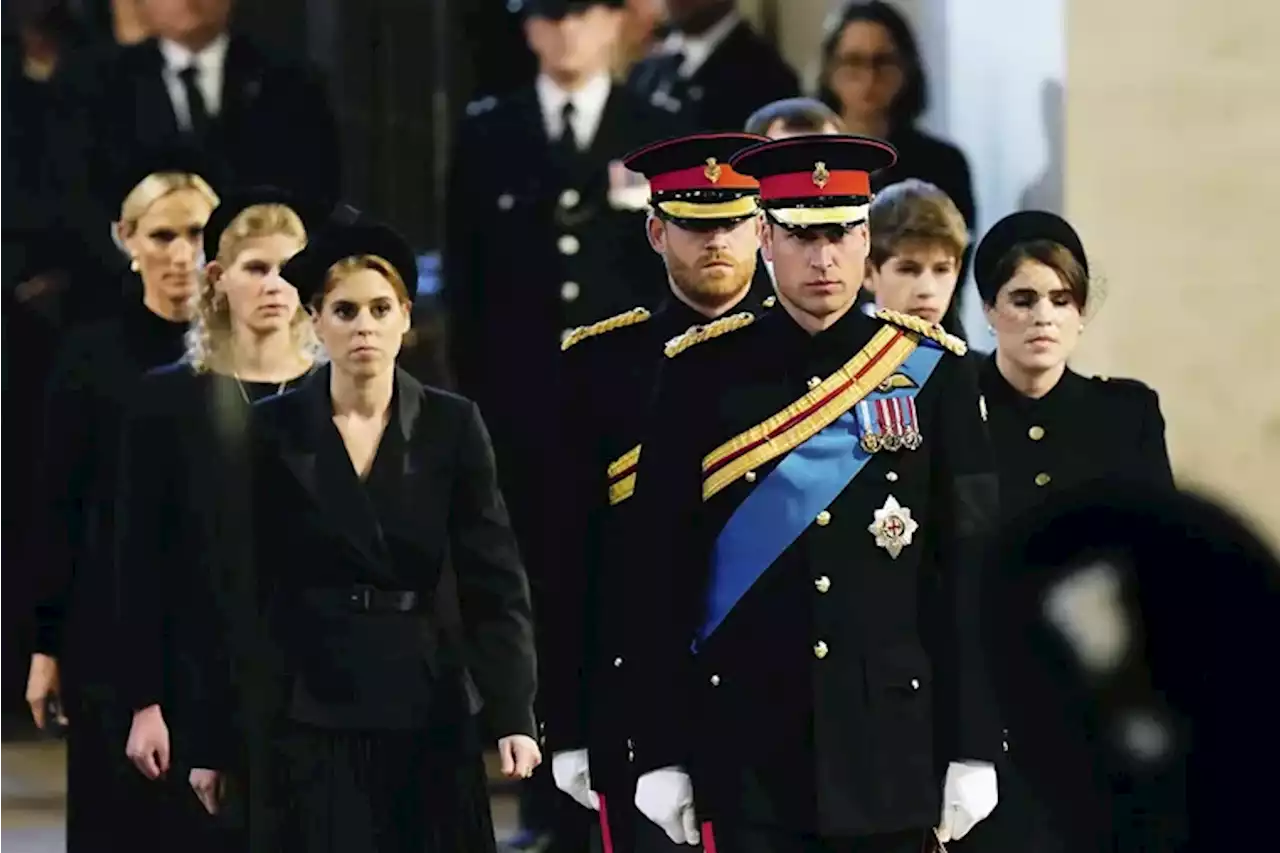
{"points": [[968, 796], [666, 797], [572, 772]]}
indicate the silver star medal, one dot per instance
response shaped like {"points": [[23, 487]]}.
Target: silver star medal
{"points": [[893, 527]]}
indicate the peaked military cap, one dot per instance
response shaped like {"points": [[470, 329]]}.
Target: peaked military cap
{"points": [[816, 179], [176, 157], [1128, 628], [347, 235], [239, 200], [557, 9], [1022, 227], [691, 182]]}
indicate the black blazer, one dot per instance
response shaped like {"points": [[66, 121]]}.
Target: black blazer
{"points": [[274, 126], [432, 496], [741, 75]]}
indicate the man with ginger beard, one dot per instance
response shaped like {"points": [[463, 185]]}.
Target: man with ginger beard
{"points": [[705, 224]]}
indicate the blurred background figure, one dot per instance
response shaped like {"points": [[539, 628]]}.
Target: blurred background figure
{"points": [[1126, 628], [794, 117], [264, 116], [713, 67], [872, 75], [640, 24]]}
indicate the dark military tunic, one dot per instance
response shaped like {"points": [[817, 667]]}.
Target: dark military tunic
{"points": [[824, 704], [609, 379], [1085, 433], [535, 247]]}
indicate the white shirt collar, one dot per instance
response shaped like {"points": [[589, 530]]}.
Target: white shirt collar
{"points": [[209, 58], [697, 49], [588, 106]]}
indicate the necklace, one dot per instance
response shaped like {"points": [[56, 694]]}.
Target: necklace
{"points": [[244, 395]]}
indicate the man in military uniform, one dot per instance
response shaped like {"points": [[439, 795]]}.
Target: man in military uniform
{"points": [[544, 232], [705, 223], [815, 488]]}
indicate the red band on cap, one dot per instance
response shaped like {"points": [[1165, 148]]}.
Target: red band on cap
{"points": [[801, 185], [696, 178]]}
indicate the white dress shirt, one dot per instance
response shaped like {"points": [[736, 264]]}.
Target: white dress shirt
{"points": [[588, 107], [209, 64], [697, 49]]}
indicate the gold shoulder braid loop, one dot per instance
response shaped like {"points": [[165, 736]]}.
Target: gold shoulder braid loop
{"points": [[629, 318], [714, 329], [932, 331]]}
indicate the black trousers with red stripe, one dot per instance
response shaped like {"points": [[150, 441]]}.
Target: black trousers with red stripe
{"points": [[623, 829]]}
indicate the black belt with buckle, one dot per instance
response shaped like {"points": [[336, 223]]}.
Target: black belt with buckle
{"points": [[368, 598]]}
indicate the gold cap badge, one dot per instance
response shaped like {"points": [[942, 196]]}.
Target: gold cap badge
{"points": [[712, 170], [820, 175]]}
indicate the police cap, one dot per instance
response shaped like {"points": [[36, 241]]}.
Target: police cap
{"points": [[816, 179], [1022, 227], [691, 182]]}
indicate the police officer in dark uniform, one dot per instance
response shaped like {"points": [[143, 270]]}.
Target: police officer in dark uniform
{"points": [[1128, 625], [706, 224], [815, 488], [1055, 429]]}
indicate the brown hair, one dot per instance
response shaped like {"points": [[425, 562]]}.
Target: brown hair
{"points": [[1053, 255], [211, 328], [355, 263], [798, 115], [914, 211]]}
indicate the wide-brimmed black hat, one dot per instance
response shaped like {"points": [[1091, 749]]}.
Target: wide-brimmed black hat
{"points": [[348, 234], [174, 157]]}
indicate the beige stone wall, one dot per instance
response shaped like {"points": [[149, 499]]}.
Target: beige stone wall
{"points": [[1173, 177]]}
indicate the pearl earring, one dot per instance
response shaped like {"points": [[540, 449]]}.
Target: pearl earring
{"points": [[134, 266]]}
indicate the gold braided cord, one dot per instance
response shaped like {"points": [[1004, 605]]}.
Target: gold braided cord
{"points": [[932, 331], [628, 318], [714, 329]]}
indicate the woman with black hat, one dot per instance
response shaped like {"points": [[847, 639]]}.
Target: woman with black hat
{"points": [[181, 482], [1056, 429], [163, 204], [364, 481]]}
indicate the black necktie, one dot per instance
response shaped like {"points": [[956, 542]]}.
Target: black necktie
{"points": [[196, 106], [568, 141]]}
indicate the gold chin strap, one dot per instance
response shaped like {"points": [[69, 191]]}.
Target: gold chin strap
{"points": [[805, 216], [738, 207]]}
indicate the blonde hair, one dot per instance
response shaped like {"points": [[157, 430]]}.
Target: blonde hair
{"points": [[355, 263], [151, 189], [210, 330]]}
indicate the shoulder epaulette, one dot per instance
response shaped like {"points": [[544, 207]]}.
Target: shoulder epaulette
{"points": [[932, 331], [714, 329], [629, 318], [481, 105]]}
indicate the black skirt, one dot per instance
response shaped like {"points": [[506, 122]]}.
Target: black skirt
{"points": [[380, 792]]}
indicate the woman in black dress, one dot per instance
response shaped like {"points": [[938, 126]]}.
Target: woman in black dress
{"points": [[365, 483], [183, 441], [163, 205], [1055, 431]]}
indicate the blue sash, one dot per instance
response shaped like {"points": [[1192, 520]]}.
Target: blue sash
{"points": [[785, 503]]}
